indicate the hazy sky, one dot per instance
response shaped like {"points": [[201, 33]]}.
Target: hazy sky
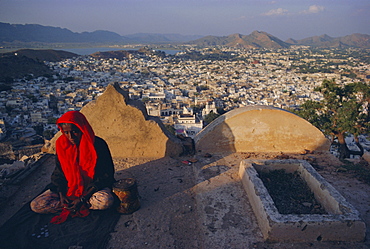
{"points": [[282, 18]]}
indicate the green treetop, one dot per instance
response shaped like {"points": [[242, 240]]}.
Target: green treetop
{"points": [[344, 110]]}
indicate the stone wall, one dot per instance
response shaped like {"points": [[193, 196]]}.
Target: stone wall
{"points": [[126, 127], [260, 129]]}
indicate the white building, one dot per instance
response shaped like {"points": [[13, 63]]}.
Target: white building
{"points": [[208, 109], [187, 125], [2, 129], [36, 117]]}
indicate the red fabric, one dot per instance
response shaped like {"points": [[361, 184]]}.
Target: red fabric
{"points": [[77, 162], [63, 216]]}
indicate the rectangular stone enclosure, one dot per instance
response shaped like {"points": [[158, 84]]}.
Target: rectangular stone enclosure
{"points": [[341, 223]]}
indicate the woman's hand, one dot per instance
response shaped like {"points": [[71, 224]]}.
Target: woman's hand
{"points": [[75, 205], [64, 201]]}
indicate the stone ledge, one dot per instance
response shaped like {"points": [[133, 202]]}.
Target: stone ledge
{"points": [[342, 223]]}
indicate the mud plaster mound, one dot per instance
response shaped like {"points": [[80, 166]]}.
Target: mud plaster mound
{"points": [[126, 127], [260, 129]]}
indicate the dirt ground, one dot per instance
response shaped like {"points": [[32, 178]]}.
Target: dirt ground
{"points": [[198, 205]]}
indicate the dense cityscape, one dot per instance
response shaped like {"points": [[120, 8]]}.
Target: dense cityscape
{"points": [[182, 89]]}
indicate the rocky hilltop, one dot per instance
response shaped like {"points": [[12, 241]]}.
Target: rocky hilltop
{"points": [[257, 39], [260, 39], [127, 128]]}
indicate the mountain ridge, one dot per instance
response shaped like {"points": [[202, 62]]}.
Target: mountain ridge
{"points": [[354, 40], [49, 34], [27, 33], [260, 39]]}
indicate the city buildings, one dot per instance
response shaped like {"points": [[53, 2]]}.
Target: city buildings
{"points": [[181, 89]]}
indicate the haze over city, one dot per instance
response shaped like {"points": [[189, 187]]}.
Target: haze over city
{"points": [[282, 18]]}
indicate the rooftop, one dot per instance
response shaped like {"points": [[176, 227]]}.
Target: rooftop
{"points": [[202, 205]]}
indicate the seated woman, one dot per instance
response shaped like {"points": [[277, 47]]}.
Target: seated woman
{"points": [[84, 172]]}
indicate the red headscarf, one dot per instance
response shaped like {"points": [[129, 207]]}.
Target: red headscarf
{"points": [[77, 161]]}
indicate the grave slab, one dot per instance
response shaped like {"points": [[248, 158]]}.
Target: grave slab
{"points": [[341, 223]]}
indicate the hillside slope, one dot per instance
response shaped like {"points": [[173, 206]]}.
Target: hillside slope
{"points": [[257, 39], [24, 62]]}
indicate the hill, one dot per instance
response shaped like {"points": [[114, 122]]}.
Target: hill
{"points": [[21, 35], [324, 41], [257, 39], [47, 34], [12, 33], [43, 54], [24, 62]]}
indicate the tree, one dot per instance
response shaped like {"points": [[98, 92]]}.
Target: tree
{"points": [[170, 128], [202, 88], [8, 109], [39, 128], [361, 95], [344, 110], [48, 134], [221, 110], [145, 100], [69, 78], [210, 117], [196, 108], [31, 97], [52, 120]]}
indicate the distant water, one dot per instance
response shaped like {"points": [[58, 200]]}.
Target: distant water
{"points": [[87, 51]]}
